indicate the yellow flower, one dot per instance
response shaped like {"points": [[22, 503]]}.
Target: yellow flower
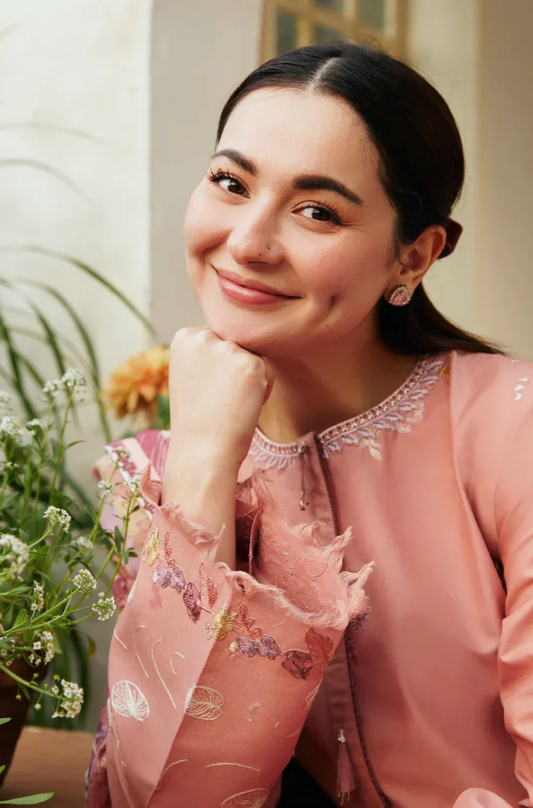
{"points": [[134, 386], [152, 547]]}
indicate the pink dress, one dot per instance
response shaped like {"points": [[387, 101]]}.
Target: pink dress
{"points": [[428, 702]]}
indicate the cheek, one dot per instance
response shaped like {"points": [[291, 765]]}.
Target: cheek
{"points": [[202, 226]]}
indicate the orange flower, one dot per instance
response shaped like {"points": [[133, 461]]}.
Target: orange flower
{"points": [[134, 386]]}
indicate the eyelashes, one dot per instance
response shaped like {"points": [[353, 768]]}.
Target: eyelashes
{"points": [[334, 216]]}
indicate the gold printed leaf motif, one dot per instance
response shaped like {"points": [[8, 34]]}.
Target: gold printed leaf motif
{"points": [[204, 703], [247, 799], [152, 546], [208, 590]]}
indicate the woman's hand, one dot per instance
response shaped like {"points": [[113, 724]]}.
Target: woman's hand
{"points": [[216, 391]]}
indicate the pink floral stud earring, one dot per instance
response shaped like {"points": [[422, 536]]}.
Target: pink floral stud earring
{"points": [[400, 296]]}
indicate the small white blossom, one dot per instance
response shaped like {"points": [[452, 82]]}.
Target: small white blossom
{"points": [[34, 426], [48, 639], [72, 700], [84, 582], [10, 428], [37, 645], [18, 552], [105, 486], [53, 388], [83, 543], [5, 401], [121, 453], [134, 484], [104, 607], [57, 516], [74, 378], [55, 690], [37, 598]]}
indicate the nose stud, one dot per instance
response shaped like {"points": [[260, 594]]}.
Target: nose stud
{"points": [[268, 246]]}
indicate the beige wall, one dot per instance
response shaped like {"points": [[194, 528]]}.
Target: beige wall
{"points": [[201, 51], [478, 54], [505, 212]]}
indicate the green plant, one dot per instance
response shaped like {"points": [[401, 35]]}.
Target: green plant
{"points": [[50, 571]]}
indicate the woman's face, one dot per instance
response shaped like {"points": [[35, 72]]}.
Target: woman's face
{"points": [[295, 170]]}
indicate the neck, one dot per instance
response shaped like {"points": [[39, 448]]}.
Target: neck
{"points": [[318, 389]]}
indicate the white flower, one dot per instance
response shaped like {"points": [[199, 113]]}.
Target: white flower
{"points": [[73, 379], [53, 388], [18, 552], [104, 607], [121, 453], [37, 645], [37, 598], [34, 426], [5, 401], [10, 428], [134, 484], [57, 516], [84, 582], [105, 486], [83, 543], [71, 700], [47, 638]]}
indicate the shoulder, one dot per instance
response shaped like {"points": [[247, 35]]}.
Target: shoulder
{"points": [[489, 386]]}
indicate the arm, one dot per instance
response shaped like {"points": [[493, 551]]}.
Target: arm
{"points": [[513, 502], [211, 671]]}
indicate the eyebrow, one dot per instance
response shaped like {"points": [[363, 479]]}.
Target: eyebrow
{"points": [[307, 182]]}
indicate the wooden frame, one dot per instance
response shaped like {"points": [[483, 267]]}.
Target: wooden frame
{"points": [[308, 14]]}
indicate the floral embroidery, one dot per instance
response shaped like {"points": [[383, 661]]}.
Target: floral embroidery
{"points": [[520, 386], [204, 703], [398, 413], [152, 546], [128, 700], [250, 640], [251, 708]]}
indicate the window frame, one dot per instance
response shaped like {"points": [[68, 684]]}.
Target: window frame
{"points": [[308, 14]]}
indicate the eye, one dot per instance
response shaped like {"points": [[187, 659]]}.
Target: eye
{"points": [[233, 185], [324, 213]]}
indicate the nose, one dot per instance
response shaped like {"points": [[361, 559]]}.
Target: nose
{"points": [[254, 240]]}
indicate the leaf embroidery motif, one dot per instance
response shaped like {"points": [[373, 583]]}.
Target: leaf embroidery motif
{"points": [[222, 623], [244, 625], [128, 700], [152, 546], [255, 798], [320, 646], [204, 703], [191, 599], [297, 663], [208, 590]]}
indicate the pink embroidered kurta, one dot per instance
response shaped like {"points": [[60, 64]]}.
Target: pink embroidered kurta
{"points": [[213, 673]]}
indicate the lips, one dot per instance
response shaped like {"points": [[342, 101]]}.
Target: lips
{"points": [[249, 284]]}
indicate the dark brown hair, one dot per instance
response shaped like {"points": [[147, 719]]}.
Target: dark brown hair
{"points": [[422, 163]]}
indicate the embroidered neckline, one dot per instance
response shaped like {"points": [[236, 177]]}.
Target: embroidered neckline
{"points": [[397, 413]]}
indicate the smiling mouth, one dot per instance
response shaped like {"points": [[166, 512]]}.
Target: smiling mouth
{"points": [[251, 287]]}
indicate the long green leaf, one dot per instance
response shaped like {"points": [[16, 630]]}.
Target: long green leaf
{"points": [[69, 259], [13, 355], [35, 799], [87, 342]]}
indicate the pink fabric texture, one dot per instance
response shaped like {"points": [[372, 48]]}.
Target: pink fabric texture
{"points": [[213, 673]]}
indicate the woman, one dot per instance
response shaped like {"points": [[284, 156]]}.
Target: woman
{"points": [[356, 426]]}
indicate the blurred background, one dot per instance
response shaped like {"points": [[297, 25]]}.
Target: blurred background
{"points": [[108, 113]]}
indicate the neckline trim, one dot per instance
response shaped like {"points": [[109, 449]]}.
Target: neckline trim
{"points": [[404, 407]]}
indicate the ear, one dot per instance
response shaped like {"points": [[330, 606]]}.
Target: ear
{"points": [[417, 258]]}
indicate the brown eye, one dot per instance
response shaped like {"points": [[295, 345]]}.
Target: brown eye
{"points": [[321, 213], [232, 184]]}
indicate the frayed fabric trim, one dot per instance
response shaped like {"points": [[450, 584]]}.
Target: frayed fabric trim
{"points": [[351, 599]]}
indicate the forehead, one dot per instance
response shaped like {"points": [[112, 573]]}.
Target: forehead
{"points": [[301, 130]]}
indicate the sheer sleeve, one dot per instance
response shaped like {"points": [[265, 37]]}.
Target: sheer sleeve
{"points": [[212, 671]]}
